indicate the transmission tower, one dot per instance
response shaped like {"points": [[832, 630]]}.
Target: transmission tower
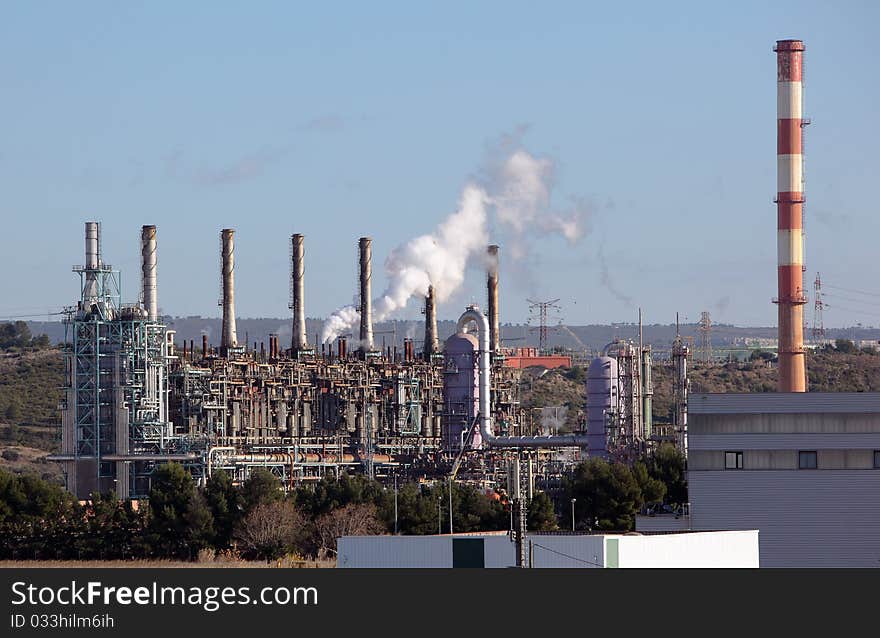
{"points": [[541, 308], [705, 330], [818, 331]]}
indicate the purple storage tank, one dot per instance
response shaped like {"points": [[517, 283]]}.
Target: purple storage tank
{"points": [[601, 401], [461, 390]]}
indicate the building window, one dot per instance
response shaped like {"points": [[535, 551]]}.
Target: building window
{"points": [[807, 460], [733, 460], [877, 459]]}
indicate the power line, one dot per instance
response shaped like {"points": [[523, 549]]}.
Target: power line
{"points": [[859, 301], [42, 314], [858, 292], [580, 560]]}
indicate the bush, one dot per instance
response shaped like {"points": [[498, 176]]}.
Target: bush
{"points": [[10, 455]]}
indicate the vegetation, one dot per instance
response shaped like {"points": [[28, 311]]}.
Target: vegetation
{"points": [[257, 521]]}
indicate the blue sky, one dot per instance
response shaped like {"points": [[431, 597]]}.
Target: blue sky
{"points": [[350, 119]]}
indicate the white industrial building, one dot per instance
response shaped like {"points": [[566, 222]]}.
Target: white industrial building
{"points": [[802, 468], [493, 550]]}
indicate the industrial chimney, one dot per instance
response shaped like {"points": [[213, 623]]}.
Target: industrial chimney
{"points": [[228, 338], [789, 200], [492, 286], [93, 258], [366, 257], [148, 271], [432, 345], [297, 294]]}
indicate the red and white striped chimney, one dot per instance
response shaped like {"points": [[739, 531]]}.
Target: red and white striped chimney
{"points": [[789, 200]]}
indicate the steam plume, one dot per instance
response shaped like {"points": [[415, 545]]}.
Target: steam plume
{"points": [[517, 190]]}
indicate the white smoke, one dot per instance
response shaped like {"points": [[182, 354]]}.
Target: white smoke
{"points": [[518, 191]]}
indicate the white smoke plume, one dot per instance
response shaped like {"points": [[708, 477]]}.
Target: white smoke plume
{"points": [[518, 190]]}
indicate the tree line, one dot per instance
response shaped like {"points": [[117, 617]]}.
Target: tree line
{"points": [[258, 521]]}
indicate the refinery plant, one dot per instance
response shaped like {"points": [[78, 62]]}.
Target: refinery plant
{"points": [[134, 400]]}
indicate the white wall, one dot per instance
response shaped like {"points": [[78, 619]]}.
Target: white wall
{"points": [[698, 549]]}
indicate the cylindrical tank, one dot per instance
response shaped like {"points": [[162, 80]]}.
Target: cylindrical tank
{"points": [[601, 402], [461, 390]]}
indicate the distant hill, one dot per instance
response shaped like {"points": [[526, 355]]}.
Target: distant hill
{"points": [[590, 337]]}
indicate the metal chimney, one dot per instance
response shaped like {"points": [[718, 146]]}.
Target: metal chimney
{"points": [[93, 259], [148, 271], [297, 294], [432, 345], [492, 286], [366, 257], [790, 200], [228, 338]]}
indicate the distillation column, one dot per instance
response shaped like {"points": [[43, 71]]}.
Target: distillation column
{"points": [[148, 272], [297, 303], [228, 338]]}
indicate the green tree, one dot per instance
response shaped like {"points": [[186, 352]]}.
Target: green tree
{"points": [[653, 489], [667, 464], [608, 496], [260, 487], [180, 521], [226, 505], [541, 515], [846, 346]]}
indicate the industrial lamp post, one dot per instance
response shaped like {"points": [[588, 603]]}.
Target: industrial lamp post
{"points": [[572, 513]]}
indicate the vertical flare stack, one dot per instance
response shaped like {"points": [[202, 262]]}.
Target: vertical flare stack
{"points": [[228, 338], [297, 302], [492, 286], [366, 257], [790, 200], [90, 288], [148, 272], [432, 345]]}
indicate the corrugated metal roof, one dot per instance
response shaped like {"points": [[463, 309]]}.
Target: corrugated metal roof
{"points": [[784, 403]]}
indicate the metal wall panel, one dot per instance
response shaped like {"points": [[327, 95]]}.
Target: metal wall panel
{"points": [[783, 402], [818, 518]]}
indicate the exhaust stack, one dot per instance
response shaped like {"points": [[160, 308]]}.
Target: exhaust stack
{"points": [[789, 201], [297, 294], [93, 260], [432, 345], [148, 271], [366, 258], [228, 338], [492, 286]]}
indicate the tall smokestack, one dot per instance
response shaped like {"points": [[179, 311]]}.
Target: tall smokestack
{"points": [[366, 258], [148, 271], [93, 258], [789, 200], [228, 338], [297, 294], [432, 344], [492, 286]]}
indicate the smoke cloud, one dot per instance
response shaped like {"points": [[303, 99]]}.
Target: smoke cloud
{"points": [[515, 195]]}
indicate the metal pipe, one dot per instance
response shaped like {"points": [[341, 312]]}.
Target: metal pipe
{"points": [[432, 344], [790, 201], [473, 314], [148, 271], [366, 258], [492, 287], [297, 302], [228, 338], [93, 258]]}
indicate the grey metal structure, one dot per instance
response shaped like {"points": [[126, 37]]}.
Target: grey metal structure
{"points": [[802, 468], [115, 412], [228, 337], [297, 293], [366, 265]]}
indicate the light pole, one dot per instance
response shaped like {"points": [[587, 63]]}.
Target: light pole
{"points": [[439, 512], [450, 506], [395, 503], [572, 513]]}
